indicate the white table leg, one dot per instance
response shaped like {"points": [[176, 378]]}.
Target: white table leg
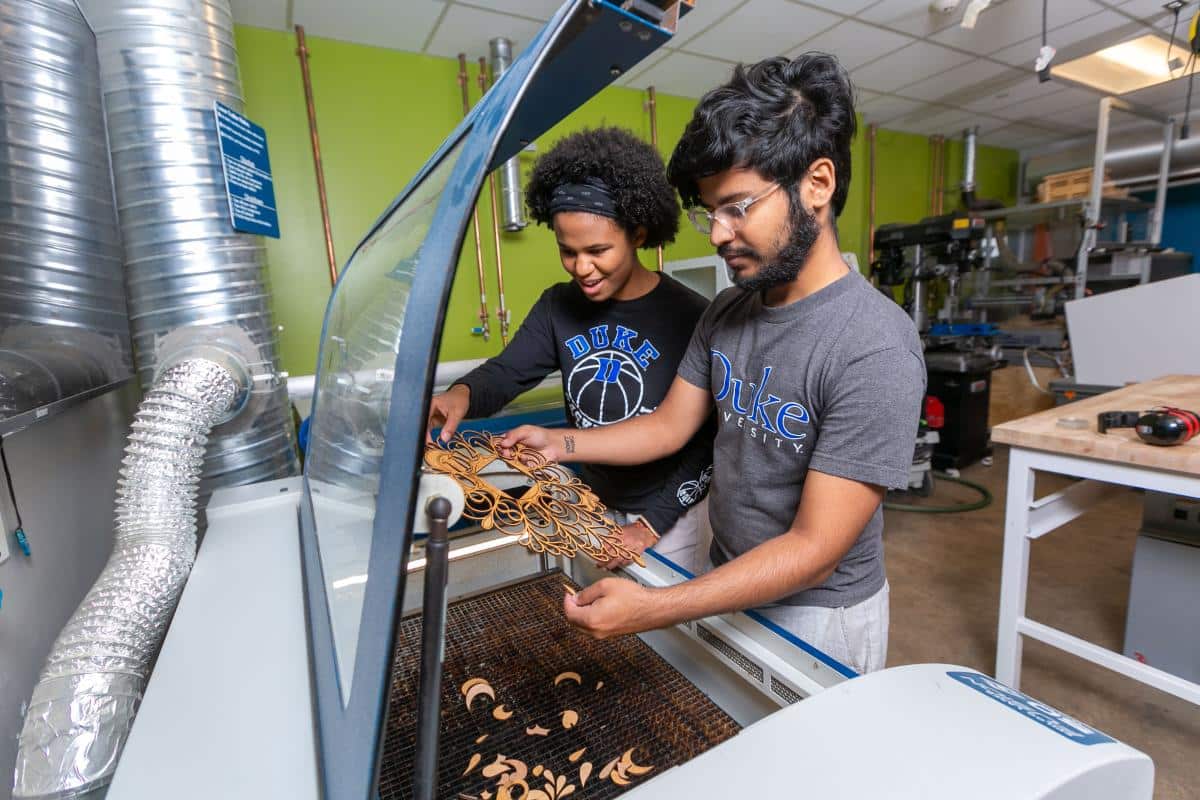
{"points": [[1014, 577]]}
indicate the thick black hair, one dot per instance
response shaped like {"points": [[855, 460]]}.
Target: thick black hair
{"points": [[631, 169], [777, 117]]}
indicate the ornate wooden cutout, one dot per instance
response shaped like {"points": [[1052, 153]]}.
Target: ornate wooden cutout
{"points": [[558, 514]]}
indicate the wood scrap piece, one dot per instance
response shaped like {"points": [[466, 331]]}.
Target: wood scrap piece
{"points": [[473, 763], [575, 756], [497, 767], [537, 730], [568, 676], [477, 690], [585, 772], [480, 739], [501, 712], [466, 687], [569, 718], [536, 771], [608, 768], [599, 686], [570, 589], [626, 764]]}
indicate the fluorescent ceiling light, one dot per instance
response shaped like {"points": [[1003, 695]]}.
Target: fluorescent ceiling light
{"points": [[1128, 66]]}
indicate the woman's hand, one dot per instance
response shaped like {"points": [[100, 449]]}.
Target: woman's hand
{"points": [[552, 444], [447, 410]]}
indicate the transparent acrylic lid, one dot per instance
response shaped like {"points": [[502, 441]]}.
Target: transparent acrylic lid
{"points": [[354, 379], [375, 371]]}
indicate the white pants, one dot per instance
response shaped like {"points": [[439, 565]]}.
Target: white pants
{"points": [[857, 636]]}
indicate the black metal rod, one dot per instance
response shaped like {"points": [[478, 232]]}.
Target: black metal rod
{"points": [[433, 640]]}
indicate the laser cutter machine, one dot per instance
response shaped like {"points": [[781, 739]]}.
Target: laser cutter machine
{"points": [[292, 666]]}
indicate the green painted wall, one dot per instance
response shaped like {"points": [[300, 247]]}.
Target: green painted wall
{"points": [[381, 113]]}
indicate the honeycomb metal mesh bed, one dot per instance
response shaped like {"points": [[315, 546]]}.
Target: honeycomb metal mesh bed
{"points": [[516, 638]]}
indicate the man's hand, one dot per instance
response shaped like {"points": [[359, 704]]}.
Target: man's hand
{"points": [[447, 410], [552, 444], [613, 607], [636, 539]]}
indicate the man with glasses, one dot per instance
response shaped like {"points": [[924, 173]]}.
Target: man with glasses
{"points": [[817, 379]]}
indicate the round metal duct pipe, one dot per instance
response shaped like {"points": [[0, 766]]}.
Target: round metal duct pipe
{"points": [[60, 247], [512, 200], [162, 64], [1132, 158]]}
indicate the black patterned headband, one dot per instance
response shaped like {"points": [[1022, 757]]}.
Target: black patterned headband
{"points": [[593, 197]]}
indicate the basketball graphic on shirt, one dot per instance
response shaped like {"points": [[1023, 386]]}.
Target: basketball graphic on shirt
{"points": [[689, 492], [605, 387]]}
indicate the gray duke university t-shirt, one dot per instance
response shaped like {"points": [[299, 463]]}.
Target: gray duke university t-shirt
{"points": [[833, 383]]}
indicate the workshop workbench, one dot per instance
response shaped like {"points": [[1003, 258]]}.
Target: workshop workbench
{"points": [[1038, 442]]}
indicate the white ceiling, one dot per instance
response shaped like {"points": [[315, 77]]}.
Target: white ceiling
{"points": [[915, 70]]}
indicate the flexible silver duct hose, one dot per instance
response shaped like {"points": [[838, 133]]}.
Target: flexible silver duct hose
{"points": [[90, 688], [162, 64], [60, 247]]}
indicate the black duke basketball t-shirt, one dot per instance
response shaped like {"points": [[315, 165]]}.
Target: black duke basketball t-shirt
{"points": [[618, 359]]}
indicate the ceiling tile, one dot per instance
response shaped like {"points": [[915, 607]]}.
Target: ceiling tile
{"points": [[854, 43], [1153, 11], [946, 122], [1044, 110], [1164, 95], [910, 16], [1018, 135], [850, 7], [1007, 23], [468, 30], [261, 13], [683, 74], [1098, 30], [1024, 89], [886, 108], [947, 86], [537, 9], [370, 22], [907, 65], [761, 28], [700, 18]]}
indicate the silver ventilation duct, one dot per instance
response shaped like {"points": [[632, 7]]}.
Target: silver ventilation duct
{"points": [[512, 203], [63, 321], [91, 685], [163, 63], [1132, 159], [970, 142]]}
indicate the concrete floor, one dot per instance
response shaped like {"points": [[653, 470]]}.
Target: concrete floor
{"points": [[944, 571]]}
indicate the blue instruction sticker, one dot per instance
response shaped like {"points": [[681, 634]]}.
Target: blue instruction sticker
{"points": [[1042, 714], [248, 182]]}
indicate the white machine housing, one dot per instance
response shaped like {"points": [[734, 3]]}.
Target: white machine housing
{"points": [[228, 711]]}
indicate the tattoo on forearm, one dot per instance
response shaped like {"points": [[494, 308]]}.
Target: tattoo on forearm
{"points": [[569, 443]]}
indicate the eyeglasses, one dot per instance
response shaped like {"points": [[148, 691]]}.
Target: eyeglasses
{"points": [[732, 216]]}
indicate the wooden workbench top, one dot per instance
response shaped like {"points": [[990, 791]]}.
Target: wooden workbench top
{"points": [[1042, 432]]}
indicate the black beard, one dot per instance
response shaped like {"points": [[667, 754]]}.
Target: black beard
{"points": [[805, 230]]}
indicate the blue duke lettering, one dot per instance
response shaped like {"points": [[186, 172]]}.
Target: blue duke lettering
{"points": [[765, 415], [622, 339]]}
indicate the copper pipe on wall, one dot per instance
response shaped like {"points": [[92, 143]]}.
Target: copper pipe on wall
{"points": [[302, 52], [484, 328], [937, 170], [651, 106], [872, 130], [502, 315]]}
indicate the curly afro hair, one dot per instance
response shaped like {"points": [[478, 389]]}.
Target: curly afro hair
{"points": [[632, 170]]}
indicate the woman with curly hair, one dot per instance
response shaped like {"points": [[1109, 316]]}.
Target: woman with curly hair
{"points": [[616, 331]]}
